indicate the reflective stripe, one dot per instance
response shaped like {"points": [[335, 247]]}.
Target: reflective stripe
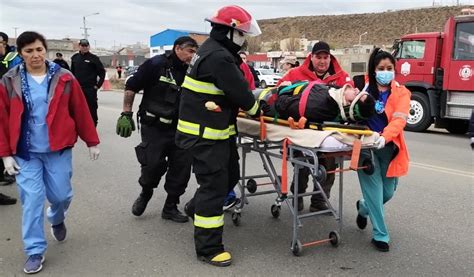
{"points": [[201, 87], [254, 109], [188, 127], [232, 130], [167, 121], [400, 115], [215, 134], [208, 222], [263, 93], [167, 80]]}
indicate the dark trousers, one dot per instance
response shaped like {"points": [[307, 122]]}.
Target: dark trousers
{"points": [[217, 171], [91, 97], [158, 154], [2, 169], [303, 178], [119, 73]]}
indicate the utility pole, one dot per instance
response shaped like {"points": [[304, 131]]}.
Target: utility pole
{"points": [[16, 28], [86, 36]]}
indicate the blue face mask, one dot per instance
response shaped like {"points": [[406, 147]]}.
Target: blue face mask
{"points": [[384, 77]]}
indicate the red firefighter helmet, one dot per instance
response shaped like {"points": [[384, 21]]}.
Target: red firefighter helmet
{"points": [[237, 18]]}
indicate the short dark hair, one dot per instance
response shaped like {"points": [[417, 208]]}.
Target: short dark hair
{"points": [[58, 54], [185, 41], [4, 37], [29, 37], [242, 52], [375, 58]]}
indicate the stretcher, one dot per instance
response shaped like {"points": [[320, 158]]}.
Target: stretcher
{"points": [[279, 139]]}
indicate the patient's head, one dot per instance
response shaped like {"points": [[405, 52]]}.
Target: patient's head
{"points": [[350, 94]]}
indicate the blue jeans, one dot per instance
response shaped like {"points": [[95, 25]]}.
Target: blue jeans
{"points": [[44, 176]]}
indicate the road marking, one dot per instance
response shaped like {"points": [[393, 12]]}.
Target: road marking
{"points": [[443, 169]]}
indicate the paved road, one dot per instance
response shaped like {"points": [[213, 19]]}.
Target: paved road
{"points": [[430, 221]]}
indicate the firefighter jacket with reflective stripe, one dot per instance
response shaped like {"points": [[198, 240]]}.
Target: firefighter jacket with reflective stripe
{"points": [[160, 79], [212, 92]]}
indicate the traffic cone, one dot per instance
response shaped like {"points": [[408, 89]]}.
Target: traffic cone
{"points": [[106, 85]]}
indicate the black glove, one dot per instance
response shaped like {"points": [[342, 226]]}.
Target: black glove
{"points": [[264, 107]]}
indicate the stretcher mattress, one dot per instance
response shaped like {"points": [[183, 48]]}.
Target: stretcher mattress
{"points": [[333, 140]]}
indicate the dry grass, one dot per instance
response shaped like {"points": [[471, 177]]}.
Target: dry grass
{"points": [[344, 30]]}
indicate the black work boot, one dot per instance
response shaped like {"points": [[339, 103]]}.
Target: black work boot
{"points": [[6, 179], [139, 205], [6, 200], [171, 212]]}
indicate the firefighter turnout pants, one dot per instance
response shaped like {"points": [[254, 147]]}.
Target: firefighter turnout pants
{"points": [[216, 167], [157, 155]]}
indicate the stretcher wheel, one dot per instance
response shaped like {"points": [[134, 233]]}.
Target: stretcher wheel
{"points": [[334, 238], [275, 210], [236, 218], [369, 170], [251, 185], [297, 248], [321, 174]]}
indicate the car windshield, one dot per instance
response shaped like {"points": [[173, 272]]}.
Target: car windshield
{"points": [[266, 71]]}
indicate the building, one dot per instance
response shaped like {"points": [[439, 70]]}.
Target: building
{"points": [[354, 59], [164, 40]]}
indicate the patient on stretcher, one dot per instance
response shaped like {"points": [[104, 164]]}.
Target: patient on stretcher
{"points": [[318, 103]]}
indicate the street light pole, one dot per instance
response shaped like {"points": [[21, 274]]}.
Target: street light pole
{"points": [[16, 28], [86, 35], [360, 38]]}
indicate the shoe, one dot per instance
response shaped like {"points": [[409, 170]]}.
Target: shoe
{"points": [[7, 179], [171, 212], [318, 206], [34, 264], [188, 211], [361, 221], [231, 203], [59, 231], [300, 204], [381, 245], [139, 205], [6, 200], [220, 259]]}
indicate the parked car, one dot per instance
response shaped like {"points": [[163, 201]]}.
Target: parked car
{"points": [[267, 77]]}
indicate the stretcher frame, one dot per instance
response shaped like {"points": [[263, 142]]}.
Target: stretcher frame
{"points": [[268, 150]]}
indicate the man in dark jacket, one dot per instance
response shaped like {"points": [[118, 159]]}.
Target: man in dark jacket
{"points": [[59, 60], [160, 78], [89, 71], [471, 130], [213, 91]]}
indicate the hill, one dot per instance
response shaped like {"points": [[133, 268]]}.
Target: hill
{"points": [[344, 30]]}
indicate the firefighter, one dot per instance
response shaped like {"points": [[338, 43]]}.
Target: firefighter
{"points": [[160, 78], [213, 90]]}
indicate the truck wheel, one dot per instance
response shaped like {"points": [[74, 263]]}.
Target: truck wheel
{"points": [[419, 117], [263, 84], [457, 126]]}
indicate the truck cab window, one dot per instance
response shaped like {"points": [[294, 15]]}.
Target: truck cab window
{"points": [[414, 49], [464, 41]]}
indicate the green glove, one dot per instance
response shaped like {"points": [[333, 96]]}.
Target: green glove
{"points": [[125, 124]]}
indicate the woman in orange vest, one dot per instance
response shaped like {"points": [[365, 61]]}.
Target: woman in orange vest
{"points": [[391, 155]]}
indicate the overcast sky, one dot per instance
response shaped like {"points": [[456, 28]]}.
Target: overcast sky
{"points": [[131, 21]]}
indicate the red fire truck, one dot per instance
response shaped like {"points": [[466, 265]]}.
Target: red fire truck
{"points": [[438, 68]]}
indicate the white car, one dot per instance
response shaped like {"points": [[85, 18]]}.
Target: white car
{"points": [[267, 77]]}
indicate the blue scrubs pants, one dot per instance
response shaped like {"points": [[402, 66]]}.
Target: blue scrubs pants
{"points": [[377, 190], [44, 176]]}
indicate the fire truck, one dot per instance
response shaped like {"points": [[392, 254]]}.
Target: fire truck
{"points": [[438, 69]]}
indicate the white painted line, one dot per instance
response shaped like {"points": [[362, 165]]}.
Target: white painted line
{"points": [[443, 169]]}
